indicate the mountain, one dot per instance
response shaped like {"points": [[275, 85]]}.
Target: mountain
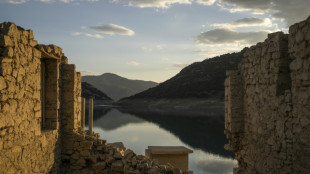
{"points": [[200, 80], [117, 87], [89, 90]]}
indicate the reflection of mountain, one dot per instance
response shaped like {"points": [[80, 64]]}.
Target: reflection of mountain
{"points": [[114, 119], [204, 133]]}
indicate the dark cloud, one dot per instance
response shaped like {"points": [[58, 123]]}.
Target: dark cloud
{"points": [[226, 36], [291, 11], [248, 21], [245, 22]]}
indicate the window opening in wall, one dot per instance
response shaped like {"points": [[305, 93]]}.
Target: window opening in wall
{"points": [[49, 93]]}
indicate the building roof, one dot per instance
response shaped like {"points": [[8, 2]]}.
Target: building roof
{"points": [[169, 150]]}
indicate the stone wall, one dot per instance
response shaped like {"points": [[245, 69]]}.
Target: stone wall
{"points": [[40, 115], [267, 105], [25, 147]]}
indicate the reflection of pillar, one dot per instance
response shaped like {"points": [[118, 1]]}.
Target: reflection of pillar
{"points": [[90, 116], [83, 114]]}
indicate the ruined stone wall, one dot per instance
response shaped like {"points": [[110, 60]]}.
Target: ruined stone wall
{"points": [[40, 115], [24, 146], [71, 98], [268, 105]]}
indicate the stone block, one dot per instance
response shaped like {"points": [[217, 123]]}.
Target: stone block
{"points": [[117, 166], [2, 83], [6, 41], [99, 166], [85, 153], [33, 43]]}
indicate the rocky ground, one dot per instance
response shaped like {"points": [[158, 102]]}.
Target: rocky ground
{"points": [[93, 155]]}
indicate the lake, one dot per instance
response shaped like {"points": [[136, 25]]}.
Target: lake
{"points": [[138, 130]]}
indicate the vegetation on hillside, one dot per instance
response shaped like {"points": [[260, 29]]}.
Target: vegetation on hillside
{"points": [[199, 80]]}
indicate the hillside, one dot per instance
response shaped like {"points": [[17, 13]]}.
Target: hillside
{"points": [[117, 87], [199, 80], [89, 90]]}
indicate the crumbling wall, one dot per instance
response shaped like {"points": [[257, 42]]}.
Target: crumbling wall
{"points": [[40, 115], [299, 123], [24, 146], [267, 105]]}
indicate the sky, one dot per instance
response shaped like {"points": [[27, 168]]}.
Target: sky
{"points": [[150, 39]]}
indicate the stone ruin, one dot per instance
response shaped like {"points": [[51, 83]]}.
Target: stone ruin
{"points": [[267, 105], [40, 115]]}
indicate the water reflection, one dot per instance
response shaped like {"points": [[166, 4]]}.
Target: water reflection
{"points": [[137, 131]]}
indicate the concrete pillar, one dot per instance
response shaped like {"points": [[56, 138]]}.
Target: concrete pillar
{"points": [[90, 115], [83, 114]]}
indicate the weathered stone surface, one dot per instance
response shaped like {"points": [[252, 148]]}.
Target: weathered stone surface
{"points": [[266, 101], [2, 83], [5, 41], [117, 166]]}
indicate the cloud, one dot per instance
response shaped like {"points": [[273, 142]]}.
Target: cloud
{"points": [[179, 65], [291, 11], [89, 73], [153, 3], [97, 36], [160, 47], [76, 33], [206, 2], [133, 63], [146, 49], [112, 29], [245, 22], [216, 165], [14, 1], [212, 52], [46, 1], [230, 37]]}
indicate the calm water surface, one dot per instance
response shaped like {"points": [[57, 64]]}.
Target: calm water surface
{"points": [[204, 135]]}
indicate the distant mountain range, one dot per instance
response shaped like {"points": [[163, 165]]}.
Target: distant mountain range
{"points": [[117, 87], [202, 80]]}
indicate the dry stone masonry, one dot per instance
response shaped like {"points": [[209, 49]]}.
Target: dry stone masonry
{"points": [[40, 115], [267, 105]]}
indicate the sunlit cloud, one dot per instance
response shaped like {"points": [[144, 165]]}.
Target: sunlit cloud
{"points": [[134, 139], [76, 33], [230, 37], [160, 47], [112, 29], [133, 63], [179, 65], [245, 22], [14, 1], [146, 49], [97, 36], [212, 52], [76, 2], [89, 73], [152, 3], [216, 165], [206, 2]]}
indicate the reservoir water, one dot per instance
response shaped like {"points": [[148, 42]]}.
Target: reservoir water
{"points": [[203, 134]]}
